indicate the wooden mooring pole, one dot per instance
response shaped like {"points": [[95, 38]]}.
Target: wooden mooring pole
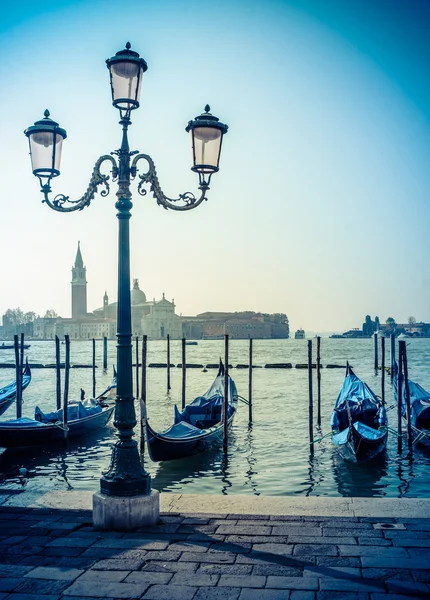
{"points": [[318, 381], [137, 366], [225, 406], [393, 354], [184, 373], [94, 368], [250, 384], [21, 360], [143, 394], [18, 377], [58, 371], [66, 386], [383, 369], [168, 362], [399, 403], [311, 406], [402, 350], [105, 353], [375, 348]]}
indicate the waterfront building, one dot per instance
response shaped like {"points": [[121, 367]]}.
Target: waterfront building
{"points": [[409, 329], [86, 327], [44, 328], [156, 319], [238, 325], [162, 320]]}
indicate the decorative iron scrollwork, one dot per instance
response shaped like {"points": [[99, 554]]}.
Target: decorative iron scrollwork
{"points": [[63, 203], [186, 201]]}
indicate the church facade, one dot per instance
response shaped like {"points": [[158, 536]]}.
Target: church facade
{"points": [[156, 319]]}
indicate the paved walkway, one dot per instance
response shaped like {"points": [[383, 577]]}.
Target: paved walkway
{"points": [[332, 550]]}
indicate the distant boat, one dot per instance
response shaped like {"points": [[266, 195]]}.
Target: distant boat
{"points": [[4, 346], [191, 343], [300, 334]]}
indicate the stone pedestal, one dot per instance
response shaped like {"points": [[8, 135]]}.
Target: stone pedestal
{"points": [[123, 513]]}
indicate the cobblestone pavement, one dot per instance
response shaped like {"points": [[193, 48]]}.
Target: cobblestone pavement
{"points": [[48, 554]]}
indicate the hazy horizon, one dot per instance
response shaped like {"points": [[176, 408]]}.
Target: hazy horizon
{"points": [[321, 208]]}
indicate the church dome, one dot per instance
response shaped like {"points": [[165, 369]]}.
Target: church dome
{"points": [[137, 296]]}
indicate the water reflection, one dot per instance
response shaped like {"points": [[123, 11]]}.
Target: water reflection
{"points": [[171, 474], [225, 474], [61, 468], [252, 462], [405, 473], [360, 480], [315, 472], [40, 467]]}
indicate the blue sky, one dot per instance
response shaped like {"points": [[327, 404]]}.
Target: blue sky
{"points": [[321, 208]]}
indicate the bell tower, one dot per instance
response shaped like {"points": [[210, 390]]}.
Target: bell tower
{"points": [[105, 305], [79, 287]]}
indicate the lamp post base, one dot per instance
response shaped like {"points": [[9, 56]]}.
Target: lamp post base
{"points": [[125, 513], [136, 486]]}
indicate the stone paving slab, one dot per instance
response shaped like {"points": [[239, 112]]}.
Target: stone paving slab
{"points": [[286, 508], [317, 557]]}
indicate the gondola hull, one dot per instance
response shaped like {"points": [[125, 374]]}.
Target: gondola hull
{"points": [[360, 446], [424, 438], [419, 399], [420, 434], [12, 346], [161, 447], [36, 434], [8, 393], [4, 404]]}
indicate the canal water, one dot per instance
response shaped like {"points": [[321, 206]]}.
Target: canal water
{"points": [[269, 458]]}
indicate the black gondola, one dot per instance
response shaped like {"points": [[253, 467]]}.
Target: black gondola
{"points": [[4, 346], [359, 421], [420, 409], [45, 429], [8, 392], [198, 426]]}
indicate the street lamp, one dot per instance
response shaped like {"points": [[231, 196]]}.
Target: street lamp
{"points": [[125, 500]]}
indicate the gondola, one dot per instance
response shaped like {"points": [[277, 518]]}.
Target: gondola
{"points": [[359, 421], [47, 428], [4, 346], [8, 392], [198, 426], [420, 409]]}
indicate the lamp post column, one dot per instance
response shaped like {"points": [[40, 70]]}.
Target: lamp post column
{"points": [[126, 475], [125, 501]]}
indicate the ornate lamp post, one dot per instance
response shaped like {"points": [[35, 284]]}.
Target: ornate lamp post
{"points": [[125, 500]]}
